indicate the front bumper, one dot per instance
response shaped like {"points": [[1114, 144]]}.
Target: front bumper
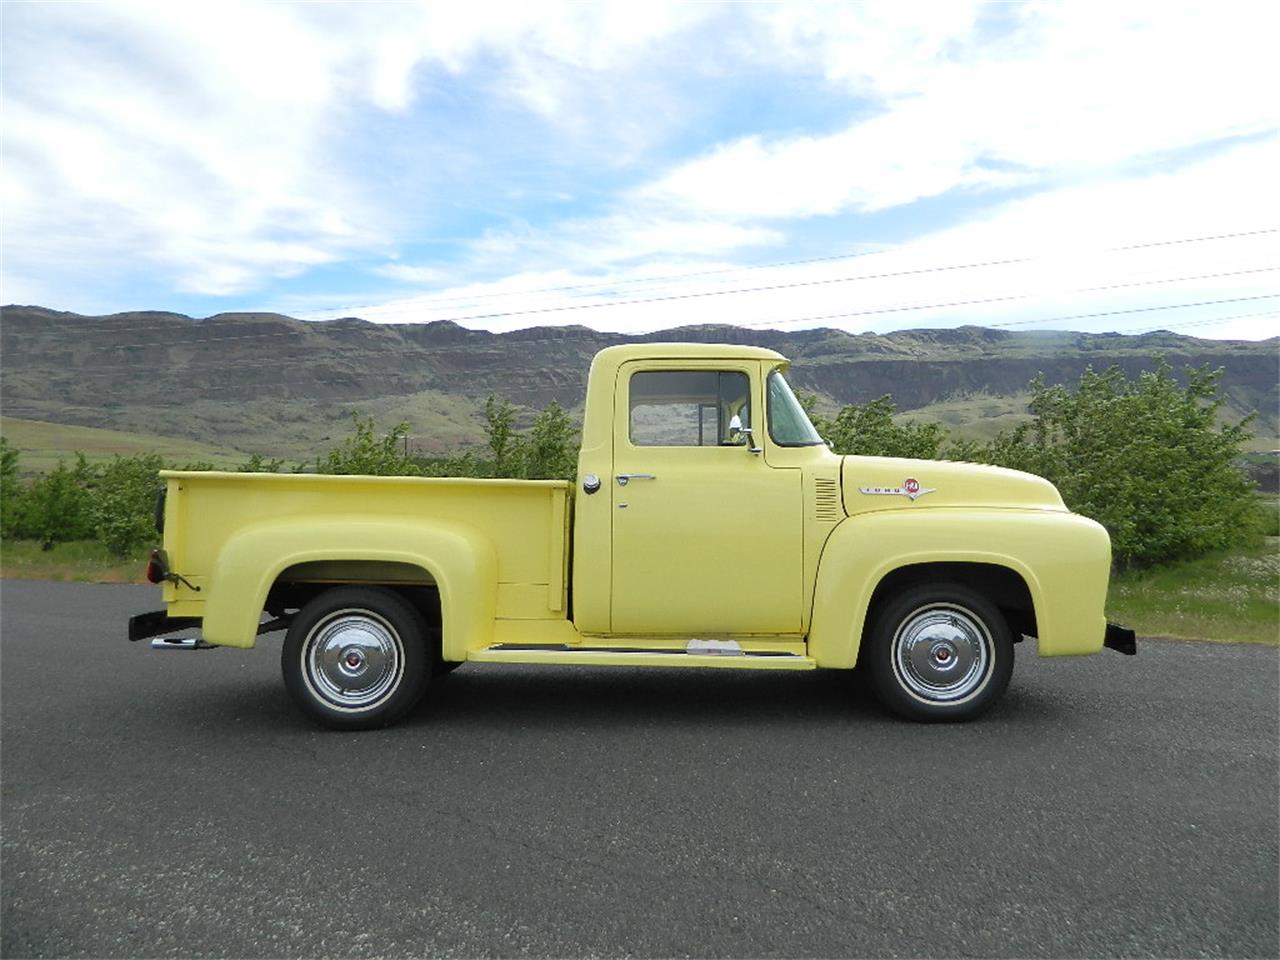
{"points": [[1121, 639]]}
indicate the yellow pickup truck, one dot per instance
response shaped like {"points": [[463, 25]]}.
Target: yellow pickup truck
{"points": [[709, 526]]}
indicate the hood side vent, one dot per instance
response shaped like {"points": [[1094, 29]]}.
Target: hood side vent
{"points": [[826, 500]]}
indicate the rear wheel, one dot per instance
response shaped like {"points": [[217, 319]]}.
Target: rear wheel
{"points": [[939, 652], [356, 658]]}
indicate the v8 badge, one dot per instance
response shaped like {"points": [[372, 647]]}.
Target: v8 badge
{"points": [[911, 489]]}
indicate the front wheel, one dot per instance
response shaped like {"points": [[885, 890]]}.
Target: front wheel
{"points": [[939, 652], [356, 658]]}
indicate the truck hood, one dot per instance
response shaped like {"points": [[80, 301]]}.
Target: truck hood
{"points": [[889, 483]]}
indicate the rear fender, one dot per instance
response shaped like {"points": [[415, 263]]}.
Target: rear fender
{"points": [[459, 560]]}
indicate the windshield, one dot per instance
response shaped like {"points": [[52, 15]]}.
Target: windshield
{"points": [[789, 426]]}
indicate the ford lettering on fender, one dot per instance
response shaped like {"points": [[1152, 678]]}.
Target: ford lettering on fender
{"points": [[710, 527]]}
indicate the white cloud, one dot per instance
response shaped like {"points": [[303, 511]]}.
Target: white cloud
{"points": [[1078, 89], [202, 139], [1063, 249]]}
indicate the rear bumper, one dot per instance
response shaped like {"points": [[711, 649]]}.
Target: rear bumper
{"points": [[1121, 639], [156, 622]]}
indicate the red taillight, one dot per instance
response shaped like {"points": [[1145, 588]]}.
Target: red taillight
{"points": [[155, 567]]}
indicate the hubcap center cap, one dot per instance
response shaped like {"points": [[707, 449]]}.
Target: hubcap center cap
{"points": [[945, 655]]}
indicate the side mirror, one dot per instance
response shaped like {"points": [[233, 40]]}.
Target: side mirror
{"points": [[738, 434]]}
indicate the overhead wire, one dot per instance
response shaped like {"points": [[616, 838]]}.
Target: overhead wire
{"points": [[772, 322], [427, 301], [206, 362], [103, 327], [1205, 321]]}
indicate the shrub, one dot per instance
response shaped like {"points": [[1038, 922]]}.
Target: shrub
{"points": [[870, 430], [499, 425], [59, 506], [260, 464], [550, 451], [11, 492], [124, 504], [1146, 458], [367, 453]]}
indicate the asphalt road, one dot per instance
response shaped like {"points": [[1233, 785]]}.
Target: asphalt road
{"points": [[175, 804]]}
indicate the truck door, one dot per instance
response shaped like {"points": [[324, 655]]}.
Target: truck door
{"points": [[707, 537]]}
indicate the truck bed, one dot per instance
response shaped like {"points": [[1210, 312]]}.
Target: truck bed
{"points": [[526, 521]]}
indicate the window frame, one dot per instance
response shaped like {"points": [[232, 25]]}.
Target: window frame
{"points": [[768, 414], [721, 426]]}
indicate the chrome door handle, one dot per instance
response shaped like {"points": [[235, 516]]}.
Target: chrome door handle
{"points": [[625, 478]]}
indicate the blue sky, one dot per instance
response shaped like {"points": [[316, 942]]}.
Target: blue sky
{"points": [[633, 167]]}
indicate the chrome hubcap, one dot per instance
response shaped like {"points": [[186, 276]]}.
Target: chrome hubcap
{"points": [[942, 653], [353, 659]]}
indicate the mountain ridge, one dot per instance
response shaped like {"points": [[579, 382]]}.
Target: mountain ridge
{"points": [[242, 377]]}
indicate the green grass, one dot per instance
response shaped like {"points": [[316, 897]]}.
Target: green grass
{"points": [[41, 445], [84, 560], [1232, 595]]}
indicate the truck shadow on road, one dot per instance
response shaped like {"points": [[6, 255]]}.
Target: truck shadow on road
{"points": [[556, 697]]}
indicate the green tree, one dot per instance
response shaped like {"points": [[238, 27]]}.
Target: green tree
{"points": [[124, 503], [260, 464], [11, 492], [58, 507], [365, 452], [870, 430], [550, 452], [499, 426], [1146, 458], [455, 465]]}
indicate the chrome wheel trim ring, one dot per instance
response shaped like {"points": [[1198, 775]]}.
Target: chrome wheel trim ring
{"points": [[943, 653], [352, 660]]}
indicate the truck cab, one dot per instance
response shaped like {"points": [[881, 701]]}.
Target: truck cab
{"points": [[708, 475]]}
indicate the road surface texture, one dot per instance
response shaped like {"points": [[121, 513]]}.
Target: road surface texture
{"points": [[175, 804]]}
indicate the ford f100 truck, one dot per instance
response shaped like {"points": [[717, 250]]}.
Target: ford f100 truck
{"points": [[709, 526]]}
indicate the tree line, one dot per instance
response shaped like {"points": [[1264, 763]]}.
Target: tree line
{"points": [[1147, 457], [114, 502]]}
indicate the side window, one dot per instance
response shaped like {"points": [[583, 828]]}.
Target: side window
{"points": [[687, 408]]}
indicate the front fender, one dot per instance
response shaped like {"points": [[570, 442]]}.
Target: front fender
{"points": [[461, 562], [1064, 559]]}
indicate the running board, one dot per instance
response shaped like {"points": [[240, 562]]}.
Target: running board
{"points": [[639, 658]]}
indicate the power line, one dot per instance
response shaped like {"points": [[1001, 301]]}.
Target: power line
{"points": [[763, 323], [660, 279], [1014, 323], [795, 263], [564, 308], [844, 315], [1204, 323], [1220, 236], [103, 327], [1017, 296], [1116, 313], [814, 319]]}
